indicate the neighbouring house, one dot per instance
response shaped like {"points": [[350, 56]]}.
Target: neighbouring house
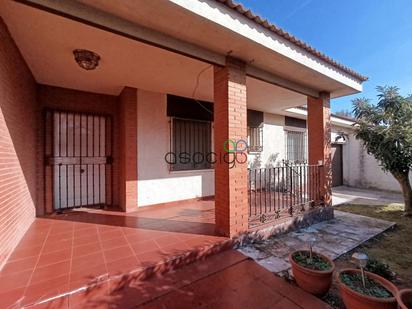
{"points": [[351, 165], [130, 104]]}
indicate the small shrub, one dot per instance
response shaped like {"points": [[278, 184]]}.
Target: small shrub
{"points": [[316, 263], [373, 288], [379, 268]]}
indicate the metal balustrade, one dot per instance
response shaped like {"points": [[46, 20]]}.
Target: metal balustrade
{"points": [[281, 191]]}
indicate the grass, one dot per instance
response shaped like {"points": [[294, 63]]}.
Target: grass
{"points": [[392, 247]]}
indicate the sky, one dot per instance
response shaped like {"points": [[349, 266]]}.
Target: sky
{"points": [[372, 37]]}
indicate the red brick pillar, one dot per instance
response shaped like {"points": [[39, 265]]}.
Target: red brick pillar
{"points": [[128, 149], [231, 199], [319, 139]]}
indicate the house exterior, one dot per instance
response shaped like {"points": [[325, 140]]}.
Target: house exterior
{"points": [[170, 79], [284, 139], [351, 165]]}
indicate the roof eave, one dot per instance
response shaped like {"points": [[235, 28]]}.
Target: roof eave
{"points": [[239, 8]]}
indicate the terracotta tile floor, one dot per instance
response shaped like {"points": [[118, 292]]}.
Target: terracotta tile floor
{"points": [[69, 251], [242, 284], [226, 280]]}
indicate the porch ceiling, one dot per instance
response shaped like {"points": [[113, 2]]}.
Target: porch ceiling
{"points": [[229, 31], [46, 42]]}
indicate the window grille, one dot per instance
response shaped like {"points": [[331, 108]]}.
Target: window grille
{"points": [[296, 146], [255, 139], [191, 145]]}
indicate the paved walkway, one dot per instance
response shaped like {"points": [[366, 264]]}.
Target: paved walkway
{"points": [[334, 238], [343, 194]]}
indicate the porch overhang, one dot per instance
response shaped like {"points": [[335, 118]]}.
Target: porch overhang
{"points": [[302, 113], [169, 25], [47, 40]]}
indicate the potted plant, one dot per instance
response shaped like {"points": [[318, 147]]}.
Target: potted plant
{"points": [[404, 298], [312, 271], [364, 290]]}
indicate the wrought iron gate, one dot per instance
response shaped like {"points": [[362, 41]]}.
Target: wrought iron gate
{"points": [[78, 150]]}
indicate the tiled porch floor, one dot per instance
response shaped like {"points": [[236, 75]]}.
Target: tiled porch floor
{"points": [[66, 252]]}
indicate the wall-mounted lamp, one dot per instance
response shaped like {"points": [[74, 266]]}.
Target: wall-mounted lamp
{"points": [[86, 59], [341, 137]]}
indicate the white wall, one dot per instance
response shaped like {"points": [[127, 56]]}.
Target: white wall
{"points": [[156, 183], [273, 143], [363, 171], [159, 185]]}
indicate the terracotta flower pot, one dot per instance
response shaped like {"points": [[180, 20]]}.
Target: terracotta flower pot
{"points": [[404, 298], [355, 300], [316, 282]]}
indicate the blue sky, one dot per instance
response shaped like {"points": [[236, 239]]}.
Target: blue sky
{"points": [[373, 37]]}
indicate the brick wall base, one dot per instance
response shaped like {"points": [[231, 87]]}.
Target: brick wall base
{"points": [[18, 127], [306, 219]]}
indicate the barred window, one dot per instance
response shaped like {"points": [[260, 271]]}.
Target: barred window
{"points": [[191, 145], [255, 138], [296, 146]]}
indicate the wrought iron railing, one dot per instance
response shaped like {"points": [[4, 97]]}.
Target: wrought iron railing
{"points": [[281, 191]]}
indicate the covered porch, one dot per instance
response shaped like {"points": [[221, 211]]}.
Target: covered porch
{"points": [[89, 147], [106, 132]]}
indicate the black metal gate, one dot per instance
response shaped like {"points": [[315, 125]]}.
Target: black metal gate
{"points": [[78, 150]]}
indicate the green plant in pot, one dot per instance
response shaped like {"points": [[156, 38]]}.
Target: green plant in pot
{"points": [[312, 271], [364, 290]]}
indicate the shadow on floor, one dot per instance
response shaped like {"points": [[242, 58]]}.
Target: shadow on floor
{"points": [[183, 221]]}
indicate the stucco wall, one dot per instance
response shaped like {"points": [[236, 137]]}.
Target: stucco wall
{"points": [[273, 143], [156, 183], [363, 171]]}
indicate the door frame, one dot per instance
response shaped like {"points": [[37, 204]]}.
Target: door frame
{"points": [[48, 171]]}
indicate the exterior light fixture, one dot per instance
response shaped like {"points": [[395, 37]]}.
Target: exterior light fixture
{"points": [[86, 59], [362, 260], [341, 137]]}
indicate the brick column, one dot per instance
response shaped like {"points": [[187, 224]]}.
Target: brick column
{"points": [[319, 139], [231, 199], [128, 149]]}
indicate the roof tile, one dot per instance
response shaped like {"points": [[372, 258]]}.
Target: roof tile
{"points": [[286, 35]]}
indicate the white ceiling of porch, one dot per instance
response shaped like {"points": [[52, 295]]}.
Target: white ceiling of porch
{"points": [[46, 42]]}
